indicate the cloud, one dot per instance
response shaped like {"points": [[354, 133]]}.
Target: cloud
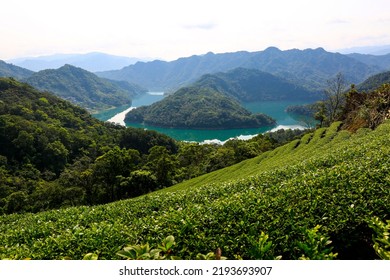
{"points": [[203, 25]]}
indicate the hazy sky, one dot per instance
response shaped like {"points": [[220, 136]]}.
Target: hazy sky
{"points": [[169, 29]]}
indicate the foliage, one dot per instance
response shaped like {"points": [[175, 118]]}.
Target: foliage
{"points": [[144, 252], [373, 82], [10, 70], [53, 154], [329, 178], [248, 85], [315, 246], [367, 109], [84, 88], [381, 237], [198, 108]]}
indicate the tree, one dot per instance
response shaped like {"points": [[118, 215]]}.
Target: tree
{"points": [[109, 168], [162, 164], [334, 97]]}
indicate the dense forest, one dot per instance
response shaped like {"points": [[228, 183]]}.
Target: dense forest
{"points": [[54, 154], [198, 108], [322, 196], [248, 85], [83, 88]]}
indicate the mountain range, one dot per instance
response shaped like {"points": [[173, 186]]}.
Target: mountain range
{"points": [[310, 68], [248, 85], [305, 70], [92, 62]]}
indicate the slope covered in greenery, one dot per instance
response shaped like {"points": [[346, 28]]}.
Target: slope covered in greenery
{"points": [[84, 88], [50, 148], [248, 85], [325, 186], [375, 81], [198, 108], [10, 70], [54, 154]]}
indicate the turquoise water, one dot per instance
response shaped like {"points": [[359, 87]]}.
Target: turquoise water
{"points": [[145, 99], [275, 109]]}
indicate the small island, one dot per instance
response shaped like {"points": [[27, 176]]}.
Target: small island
{"points": [[198, 108]]}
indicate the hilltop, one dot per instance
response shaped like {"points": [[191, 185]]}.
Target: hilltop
{"points": [[10, 70], [248, 85], [84, 88], [198, 108]]}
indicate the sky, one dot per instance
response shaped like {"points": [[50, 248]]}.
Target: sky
{"points": [[169, 29]]}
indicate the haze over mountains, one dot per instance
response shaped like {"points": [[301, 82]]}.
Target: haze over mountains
{"points": [[311, 68], [92, 62], [305, 70]]}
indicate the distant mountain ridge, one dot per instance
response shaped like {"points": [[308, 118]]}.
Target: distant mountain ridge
{"points": [[248, 85], [92, 62], [374, 82], [84, 88], [10, 70], [382, 61], [310, 67]]}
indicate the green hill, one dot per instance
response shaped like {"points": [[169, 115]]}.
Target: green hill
{"points": [[84, 88], [374, 81], [248, 85], [10, 70], [330, 178], [198, 108]]}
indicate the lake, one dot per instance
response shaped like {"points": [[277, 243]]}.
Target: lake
{"points": [[275, 109]]}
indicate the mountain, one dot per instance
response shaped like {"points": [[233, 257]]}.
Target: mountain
{"points": [[198, 108], [84, 88], [249, 85], [383, 61], [168, 76], [310, 68], [374, 82], [10, 70], [374, 50], [92, 62]]}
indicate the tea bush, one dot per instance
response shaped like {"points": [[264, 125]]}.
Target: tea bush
{"points": [[329, 179]]}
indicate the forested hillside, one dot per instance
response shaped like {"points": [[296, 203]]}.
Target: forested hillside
{"points": [[54, 154], [198, 108], [84, 88], [9, 70], [319, 197], [322, 196], [374, 81], [248, 85]]}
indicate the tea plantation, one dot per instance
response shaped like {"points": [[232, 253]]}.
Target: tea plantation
{"points": [[288, 203]]}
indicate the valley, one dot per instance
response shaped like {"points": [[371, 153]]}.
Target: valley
{"points": [[200, 162], [275, 109]]}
